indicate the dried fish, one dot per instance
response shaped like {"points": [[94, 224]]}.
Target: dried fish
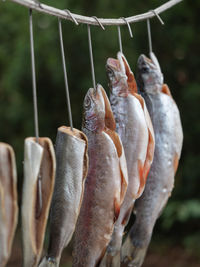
{"points": [[8, 201], [106, 182], [168, 144], [133, 124], [72, 165], [39, 176]]}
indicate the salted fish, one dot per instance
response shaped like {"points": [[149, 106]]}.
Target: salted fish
{"points": [[39, 163], [106, 182], [8, 201], [133, 124], [72, 166], [168, 144]]}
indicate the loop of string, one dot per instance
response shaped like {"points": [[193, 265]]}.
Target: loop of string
{"points": [[149, 36], [119, 38], [72, 17], [33, 78], [159, 18], [129, 27], [91, 57], [100, 24], [65, 75]]}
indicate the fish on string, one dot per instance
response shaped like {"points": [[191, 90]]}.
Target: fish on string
{"points": [[39, 177], [8, 201], [167, 126], [106, 182], [72, 166], [133, 124], [107, 178]]}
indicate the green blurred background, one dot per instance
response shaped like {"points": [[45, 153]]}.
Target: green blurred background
{"points": [[177, 233]]}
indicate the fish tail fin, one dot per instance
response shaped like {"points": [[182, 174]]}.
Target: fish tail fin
{"points": [[112, 256], [132, 255], [49, 262], [110, 260]]}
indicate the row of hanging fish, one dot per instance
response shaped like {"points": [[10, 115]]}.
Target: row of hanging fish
{"points": [[96, 177]]}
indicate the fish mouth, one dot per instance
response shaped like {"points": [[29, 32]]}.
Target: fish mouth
{"points": [[113, 64], [144, 60], [155, 60], [132, 86]]}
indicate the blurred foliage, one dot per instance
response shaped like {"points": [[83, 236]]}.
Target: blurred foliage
{"points": [[176, 45]]}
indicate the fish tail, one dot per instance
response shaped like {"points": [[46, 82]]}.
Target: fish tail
{"points": [[112, 255], [110, 260], [49, 262], [133, 255]]}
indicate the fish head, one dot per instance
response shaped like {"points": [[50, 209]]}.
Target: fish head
{"points": [[121, 78], [149, 75], [97, 110]]}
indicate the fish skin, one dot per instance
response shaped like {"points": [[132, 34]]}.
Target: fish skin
{"points": [[72, 166], [39, 158], [133, 124], [168, 139], [8, 201], [106, 182]]}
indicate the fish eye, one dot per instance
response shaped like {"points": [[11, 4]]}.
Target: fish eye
{"points": [[87, 102], [110, 72], [144, 69]]}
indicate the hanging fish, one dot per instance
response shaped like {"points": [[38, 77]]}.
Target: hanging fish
{"points": [[39, 176], [168, 144], [134, 127], [106, 182], [72, 165], [8, 201]]}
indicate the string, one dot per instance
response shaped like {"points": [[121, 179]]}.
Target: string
{"points": [[65, 75], [119, 38], [129, 27], [91, 57], [149, 36], [159, 18], [33, 78], [39, 181], [42, 8]]}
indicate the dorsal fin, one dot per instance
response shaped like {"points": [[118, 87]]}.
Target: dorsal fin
{"points": [[130, 77], [109, 118], [165, 90]]}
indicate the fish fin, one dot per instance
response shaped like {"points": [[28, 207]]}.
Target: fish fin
{"points": [[109, 118], [116, 140], [127, 216], [117, 206], [132, 86], [141, 177], [122, 162], [124, 175], [165, 90], [150, 148], [176, 161]]}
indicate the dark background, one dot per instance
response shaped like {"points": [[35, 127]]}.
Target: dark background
{"points": [[177, 233]]}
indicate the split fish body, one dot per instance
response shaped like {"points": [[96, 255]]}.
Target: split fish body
{"points": [[8, 201], [134, 127], [72, 165], [39, 163], [106, 182], [168, 144]]}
